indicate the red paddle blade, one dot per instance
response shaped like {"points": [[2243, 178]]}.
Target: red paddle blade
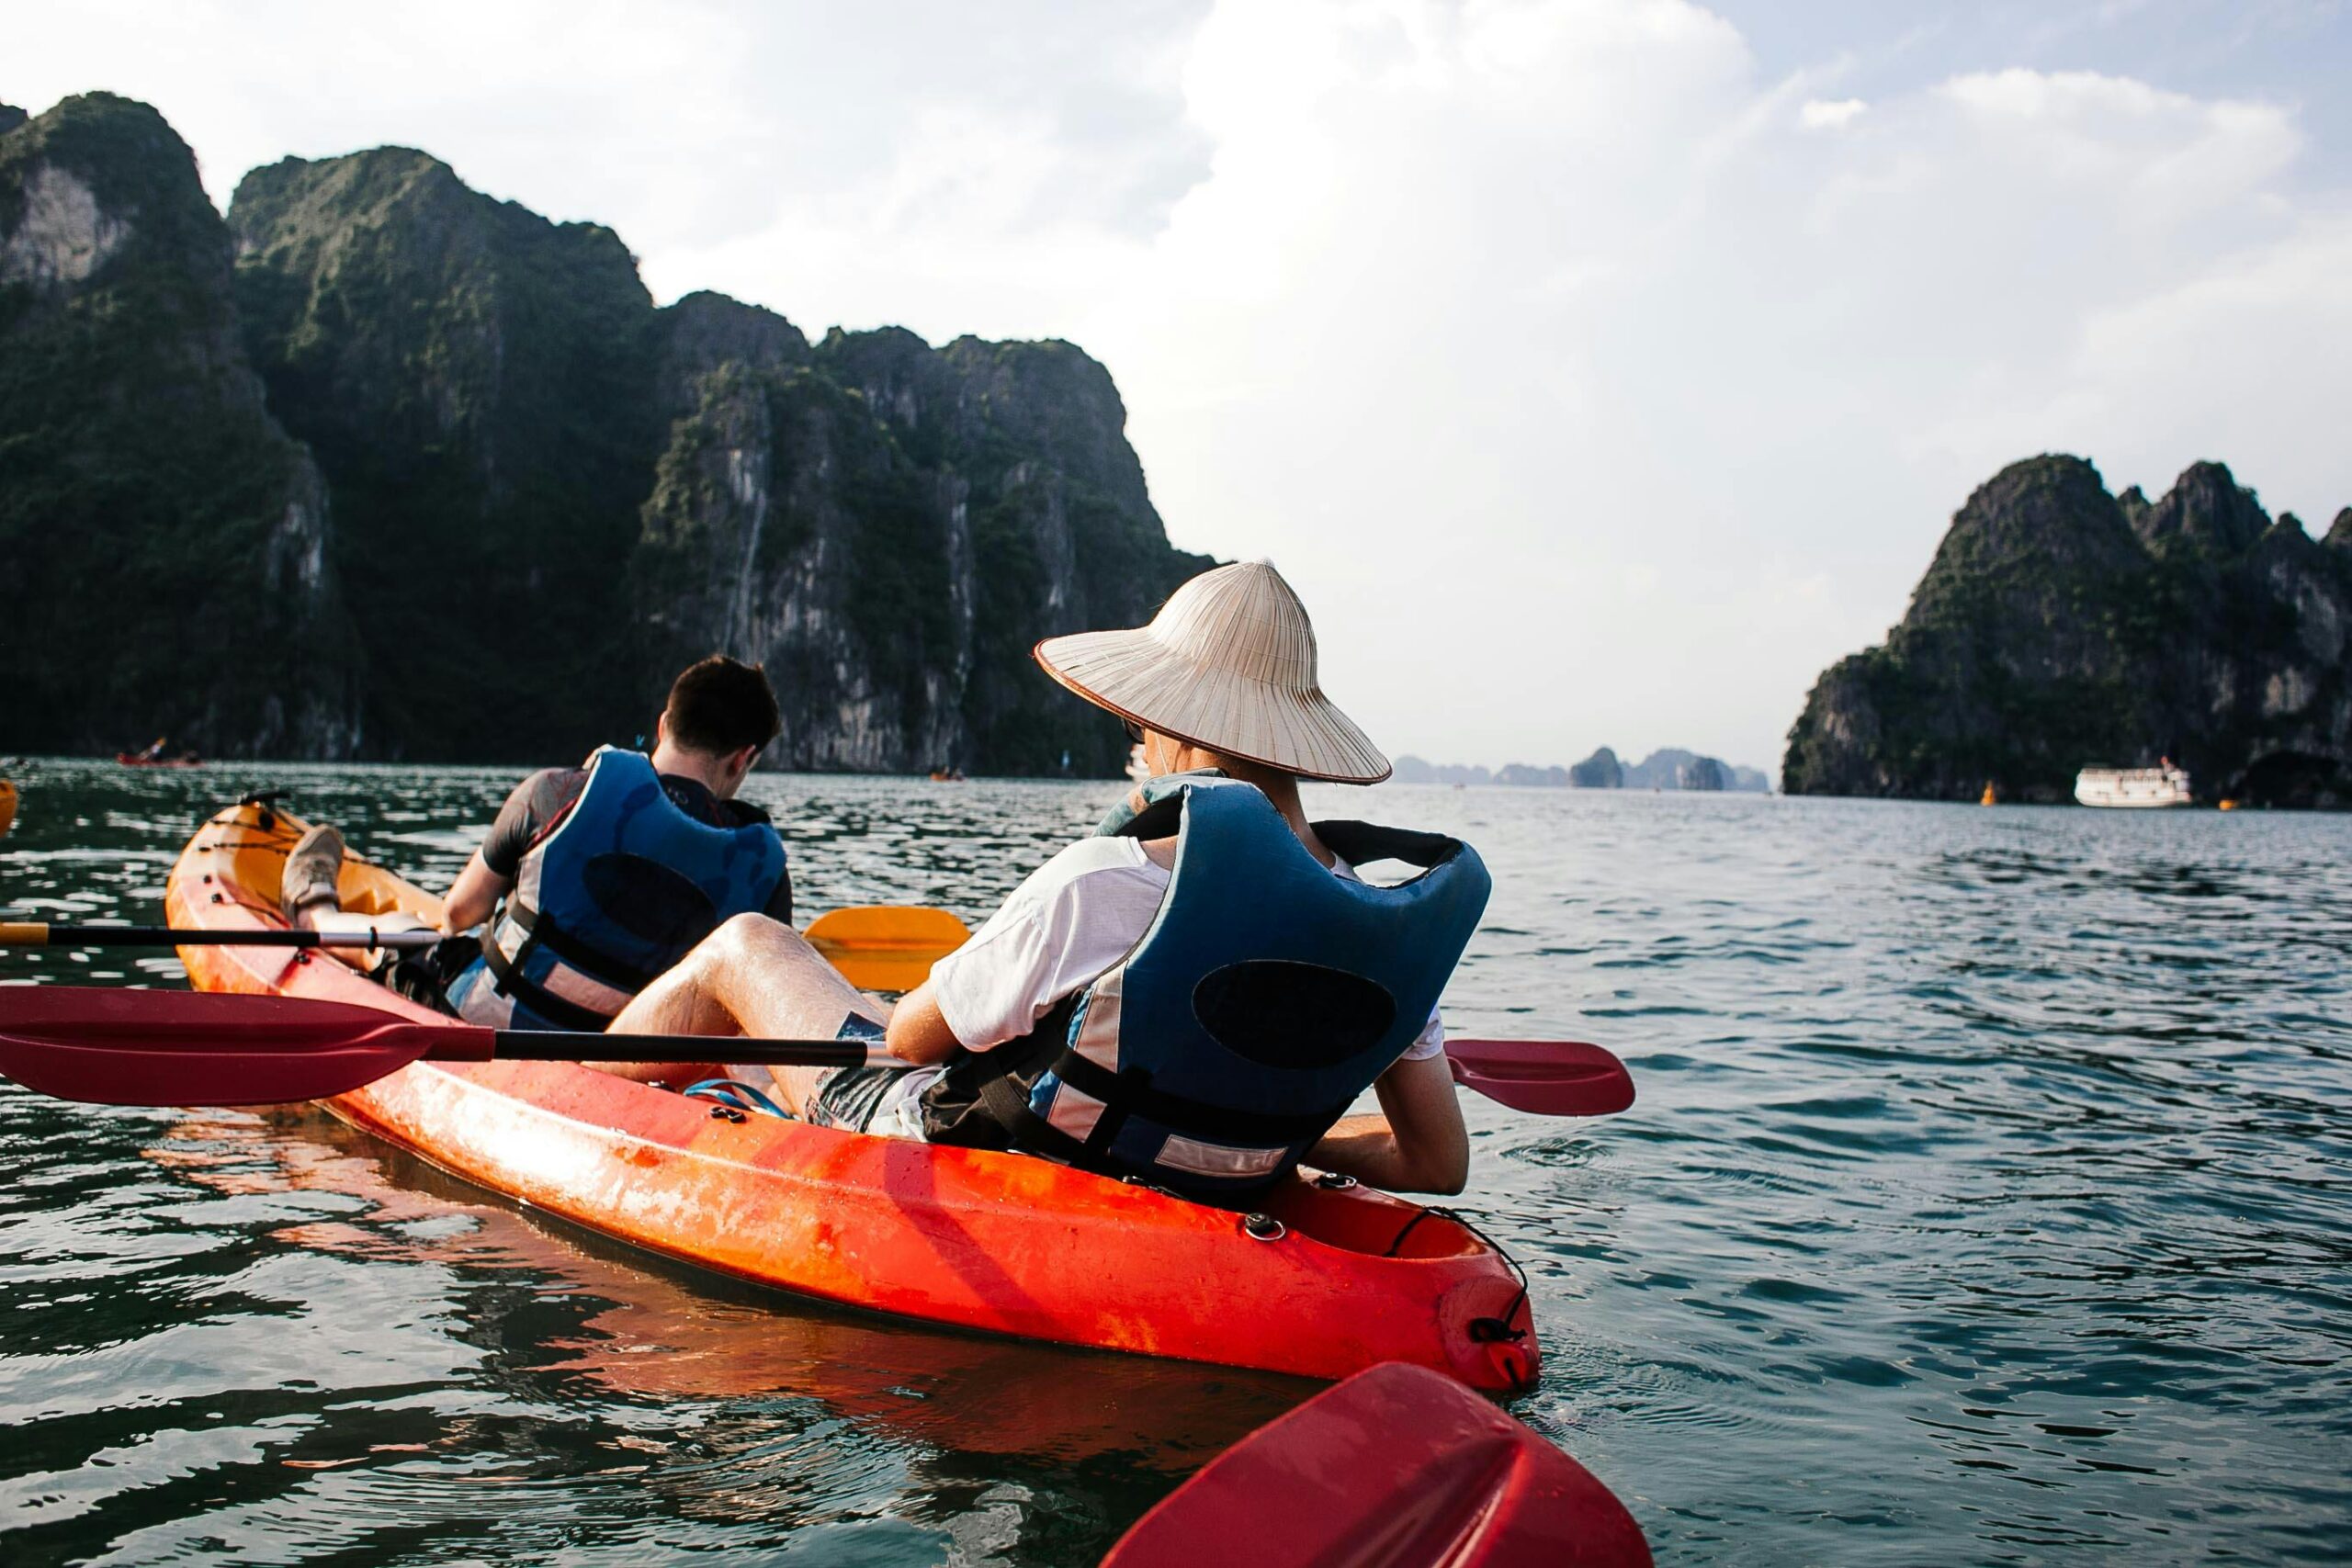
{"points": [[1397, 1465], [113, 1047], [1550, 1078]]}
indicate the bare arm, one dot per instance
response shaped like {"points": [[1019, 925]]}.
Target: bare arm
{"points": [[1417, 1144], [917, 1034], [472, 896]]}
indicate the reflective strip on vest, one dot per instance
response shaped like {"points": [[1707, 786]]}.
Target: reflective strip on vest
{"points": [[1199, 1159]]}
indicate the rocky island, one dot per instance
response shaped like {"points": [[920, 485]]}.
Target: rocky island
{"points": [[381, 466], [2060, 627]]}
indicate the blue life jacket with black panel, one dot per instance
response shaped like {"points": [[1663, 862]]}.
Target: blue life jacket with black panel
{"points": [[1266, 994], [622, 888]]}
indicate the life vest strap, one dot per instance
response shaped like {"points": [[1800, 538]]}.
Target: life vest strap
{"points": [[538, 930], [1132, 1094], [1006, 1100], [1003, 1096], [507, 975]]}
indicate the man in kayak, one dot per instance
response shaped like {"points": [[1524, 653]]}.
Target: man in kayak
{"points": [[600, 876], [1193, 997]]}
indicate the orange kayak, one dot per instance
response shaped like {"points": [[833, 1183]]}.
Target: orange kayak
{"points": [[999, 1242]]}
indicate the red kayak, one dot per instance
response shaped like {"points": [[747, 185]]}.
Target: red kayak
{"points": [[1343, 1279], [1395, 1468], [132, 760]]}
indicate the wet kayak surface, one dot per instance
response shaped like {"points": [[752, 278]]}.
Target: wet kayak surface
{"points": [[1989, 1198]]}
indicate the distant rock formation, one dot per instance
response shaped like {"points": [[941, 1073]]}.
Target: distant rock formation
{"points": [[1668, 769], [1599, 770], [2060, 627], [166, 560], [1412, 770], [1673, 768]]}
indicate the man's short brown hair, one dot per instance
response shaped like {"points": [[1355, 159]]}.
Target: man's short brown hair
{"points": [[719, 706]]}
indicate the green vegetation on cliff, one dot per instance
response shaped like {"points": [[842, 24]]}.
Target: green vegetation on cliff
{"points": [[166, 559], [478, 384]]}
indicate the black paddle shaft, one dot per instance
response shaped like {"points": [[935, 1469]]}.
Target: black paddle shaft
{"points": [[562, 1045], [42, 934]]}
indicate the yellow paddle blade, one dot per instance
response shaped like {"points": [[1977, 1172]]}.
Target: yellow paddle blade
{"points": [[886, 947]]}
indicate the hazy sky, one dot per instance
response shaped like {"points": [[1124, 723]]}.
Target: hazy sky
{"points": [[1598, 370]]}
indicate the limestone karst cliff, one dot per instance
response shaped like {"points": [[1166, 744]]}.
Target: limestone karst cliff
{"points": [[478, 386], [2060, 626], [891, 528], [545, 492], [167, 563]]}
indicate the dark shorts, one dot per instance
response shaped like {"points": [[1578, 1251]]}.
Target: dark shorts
{"points": [[424, 975], [847, 1097]]}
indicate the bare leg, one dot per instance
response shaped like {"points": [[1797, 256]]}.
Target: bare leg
{"points": [[755, 977], [311, 902]]}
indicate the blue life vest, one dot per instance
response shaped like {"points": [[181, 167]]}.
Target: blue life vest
{"points": [[1266, 994], [621, 889]]}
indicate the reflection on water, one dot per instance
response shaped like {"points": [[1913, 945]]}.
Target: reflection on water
{"points": [[1987, 1199]]}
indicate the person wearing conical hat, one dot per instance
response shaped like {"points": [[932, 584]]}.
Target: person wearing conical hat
{"points": [[1194, 997]]}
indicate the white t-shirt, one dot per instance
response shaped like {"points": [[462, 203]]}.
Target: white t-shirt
{"points": [[1076, 916]]}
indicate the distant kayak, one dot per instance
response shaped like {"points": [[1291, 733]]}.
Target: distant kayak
{"points": [[132, 760], [7, 805]]}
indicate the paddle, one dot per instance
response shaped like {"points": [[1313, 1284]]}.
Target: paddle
{"points": [[886, 947], [40, 933], [1398, 1464], [1548, 1078], [111, 1045], [887, 940], [117, 1046]]}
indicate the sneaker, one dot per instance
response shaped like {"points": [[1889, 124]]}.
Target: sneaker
{"points": [[311, 872]]}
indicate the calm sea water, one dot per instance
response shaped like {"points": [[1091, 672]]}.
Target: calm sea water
{"points": [[1989, 1199]]}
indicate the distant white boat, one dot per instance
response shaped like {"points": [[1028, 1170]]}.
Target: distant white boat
{"points": [[2138, 787]]}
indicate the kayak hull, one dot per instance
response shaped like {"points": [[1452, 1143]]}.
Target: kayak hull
{"points": [[998, 1242]]}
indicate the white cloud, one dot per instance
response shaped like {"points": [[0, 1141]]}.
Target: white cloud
{"points": [[1473, 316], [1825, 114]]}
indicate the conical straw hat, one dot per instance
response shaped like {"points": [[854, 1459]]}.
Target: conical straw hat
{"points": [[1229, 663]]}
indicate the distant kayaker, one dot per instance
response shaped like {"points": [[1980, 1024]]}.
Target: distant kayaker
{"points": [[600, 876], [1192, 998]]}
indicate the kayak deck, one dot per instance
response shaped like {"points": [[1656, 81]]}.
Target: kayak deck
{"points": [[999, 1242]]}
